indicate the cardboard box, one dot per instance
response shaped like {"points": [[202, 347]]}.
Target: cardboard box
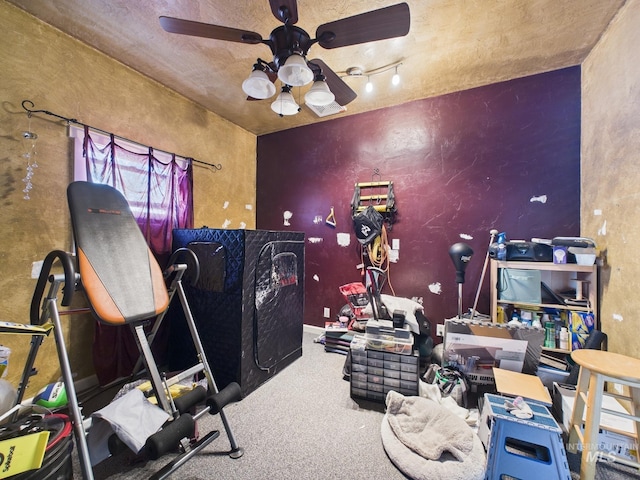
{"points": [[477, 347], [615, 433], [515, 384]]}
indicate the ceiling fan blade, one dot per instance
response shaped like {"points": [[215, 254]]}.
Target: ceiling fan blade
{"points": [[338, 87], [198, 29], [388, 22], [285, 9]]}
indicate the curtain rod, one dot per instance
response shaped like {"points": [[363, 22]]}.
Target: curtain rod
{"points": [[30, 112]]}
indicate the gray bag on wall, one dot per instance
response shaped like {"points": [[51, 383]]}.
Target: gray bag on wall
{"points": [[515, 285]]}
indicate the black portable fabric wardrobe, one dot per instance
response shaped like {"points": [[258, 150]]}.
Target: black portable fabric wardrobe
{"points": [[248, 302], [124, 285]]}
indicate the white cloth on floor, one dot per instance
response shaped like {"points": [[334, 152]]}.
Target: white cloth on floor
{"points": [[424, 427], [427, 442], [432, 392], [131, 417]]}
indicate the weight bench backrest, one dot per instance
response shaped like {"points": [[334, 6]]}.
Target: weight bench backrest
{"points": [[120, 276]]}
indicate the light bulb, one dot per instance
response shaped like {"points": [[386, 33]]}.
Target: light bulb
{"points": [[395, 80], [369, 86]]}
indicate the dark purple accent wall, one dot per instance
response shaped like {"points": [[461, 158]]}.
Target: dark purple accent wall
{"points": [[503, 156]]}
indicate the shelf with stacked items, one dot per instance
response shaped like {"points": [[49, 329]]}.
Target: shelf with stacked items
{"points": [[566, 293]]}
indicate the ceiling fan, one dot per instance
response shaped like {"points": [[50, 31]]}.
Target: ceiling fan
{"points": [[290, 45]]}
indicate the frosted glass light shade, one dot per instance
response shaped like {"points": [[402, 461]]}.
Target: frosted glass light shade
{"points": [[258, 85], [319, 94], [295, 71], [285, 104]]}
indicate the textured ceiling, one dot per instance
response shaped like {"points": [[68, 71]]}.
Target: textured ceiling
{"points": [[452, 45]]}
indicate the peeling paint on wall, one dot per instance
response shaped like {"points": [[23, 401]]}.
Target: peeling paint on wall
{"points": [[603, 229], [343, 239], [248, 206], [316, 278], [617, 317], [243, 225], [287, 216], [435, 288], [226, 223], [314, 240], [317, 219], [466, 236], [225, 205], [541, 199]]}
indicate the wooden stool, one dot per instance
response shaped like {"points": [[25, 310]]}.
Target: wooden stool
{"points": [[596, 368]]}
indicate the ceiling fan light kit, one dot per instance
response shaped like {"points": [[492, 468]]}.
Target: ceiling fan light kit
{"points": [[289, 45], [285, 104], [295, 71], [319, 94], [259, 85]]}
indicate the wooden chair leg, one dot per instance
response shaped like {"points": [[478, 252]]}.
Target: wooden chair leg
{"points": [[591, 428], [578, 411]]}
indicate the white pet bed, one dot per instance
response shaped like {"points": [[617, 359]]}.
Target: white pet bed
{"points": [[428, 442]]}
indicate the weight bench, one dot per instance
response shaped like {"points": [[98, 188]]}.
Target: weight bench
{"points": [[124, 285]]}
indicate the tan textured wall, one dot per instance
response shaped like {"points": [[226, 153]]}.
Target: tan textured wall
{"points": [[64, 76], [610, 169]]}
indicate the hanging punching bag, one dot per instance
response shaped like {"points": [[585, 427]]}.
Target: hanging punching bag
{"points": [[460, 254]]}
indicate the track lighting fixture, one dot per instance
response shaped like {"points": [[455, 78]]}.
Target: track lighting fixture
{"points": [[358, 72], [395, 80], [369, 86]]}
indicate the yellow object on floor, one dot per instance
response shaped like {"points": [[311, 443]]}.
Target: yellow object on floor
{"points": [[175, 390], [20, 454]]}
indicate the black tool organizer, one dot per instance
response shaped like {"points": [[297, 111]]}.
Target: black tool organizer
{"points": [[374, 373]]}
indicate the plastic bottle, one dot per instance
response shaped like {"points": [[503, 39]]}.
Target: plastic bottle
{"points": [[564, 339], [501, 254], [550, 334], [536, 321]]}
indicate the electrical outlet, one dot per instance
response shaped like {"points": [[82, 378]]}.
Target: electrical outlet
{"points": [[327, 312], [440, 330]]}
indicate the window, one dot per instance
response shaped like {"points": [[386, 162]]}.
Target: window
{"points": [[158, 185]]}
